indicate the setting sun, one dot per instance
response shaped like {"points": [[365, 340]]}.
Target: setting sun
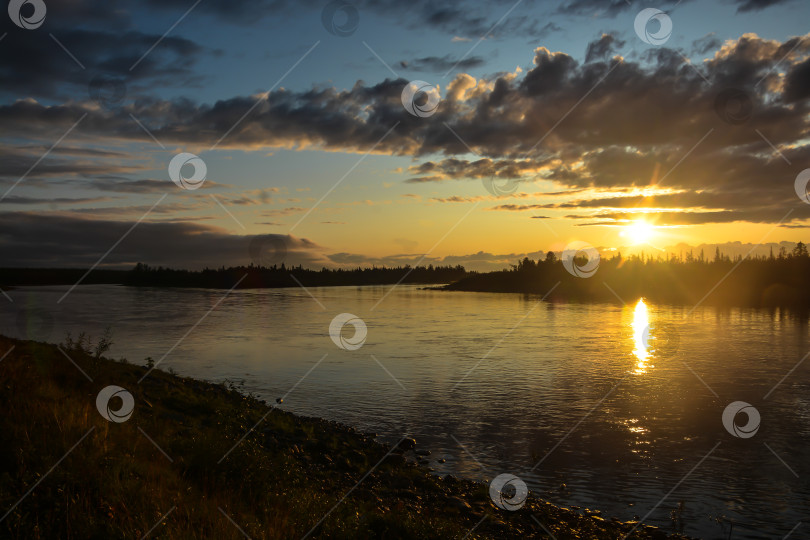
{"points": [[639, 232]]}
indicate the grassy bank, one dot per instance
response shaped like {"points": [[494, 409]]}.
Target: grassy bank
{"points": [[161, 472]]}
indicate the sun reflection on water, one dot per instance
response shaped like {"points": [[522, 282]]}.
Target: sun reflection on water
{"points": [[641, 336]]}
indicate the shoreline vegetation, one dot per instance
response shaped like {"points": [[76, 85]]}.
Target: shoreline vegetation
{"points": [[762, 282], [162, 471], [759, 282], [247, 277]]}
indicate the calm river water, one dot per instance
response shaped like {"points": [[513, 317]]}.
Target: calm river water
{"points": [[592, 405]]}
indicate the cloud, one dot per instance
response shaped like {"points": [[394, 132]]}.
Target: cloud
{"points": [[626, 124], [41, 240], [757, 5], [436, 64], [36, 67], [602, 48]]}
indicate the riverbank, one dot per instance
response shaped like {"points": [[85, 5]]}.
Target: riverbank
{"points": [[187, 464]]}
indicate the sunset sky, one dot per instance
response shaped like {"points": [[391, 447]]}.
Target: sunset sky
{"points": [[585, 127]]}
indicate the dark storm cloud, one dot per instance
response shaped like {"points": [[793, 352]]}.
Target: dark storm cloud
{"points": [[611, 8], [34, 66], [36, 240], [470, 18], [756, 5], [442, 64], [603, 48]]}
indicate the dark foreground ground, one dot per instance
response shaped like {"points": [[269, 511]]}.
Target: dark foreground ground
{"points": [[67, 472]]}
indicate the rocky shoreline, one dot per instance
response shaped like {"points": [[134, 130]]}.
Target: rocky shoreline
{"points": [[225, 463]]}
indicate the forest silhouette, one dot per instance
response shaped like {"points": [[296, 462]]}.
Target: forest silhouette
{"points": [[779, 279]]}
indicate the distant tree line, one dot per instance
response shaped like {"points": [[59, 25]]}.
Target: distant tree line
{"points": [[290, 276], [779, 279]]}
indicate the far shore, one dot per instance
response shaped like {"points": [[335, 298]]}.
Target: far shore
{"points": [[202, 460]]}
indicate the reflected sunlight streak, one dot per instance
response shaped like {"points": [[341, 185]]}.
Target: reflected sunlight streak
{"points": [[641, 336]]}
